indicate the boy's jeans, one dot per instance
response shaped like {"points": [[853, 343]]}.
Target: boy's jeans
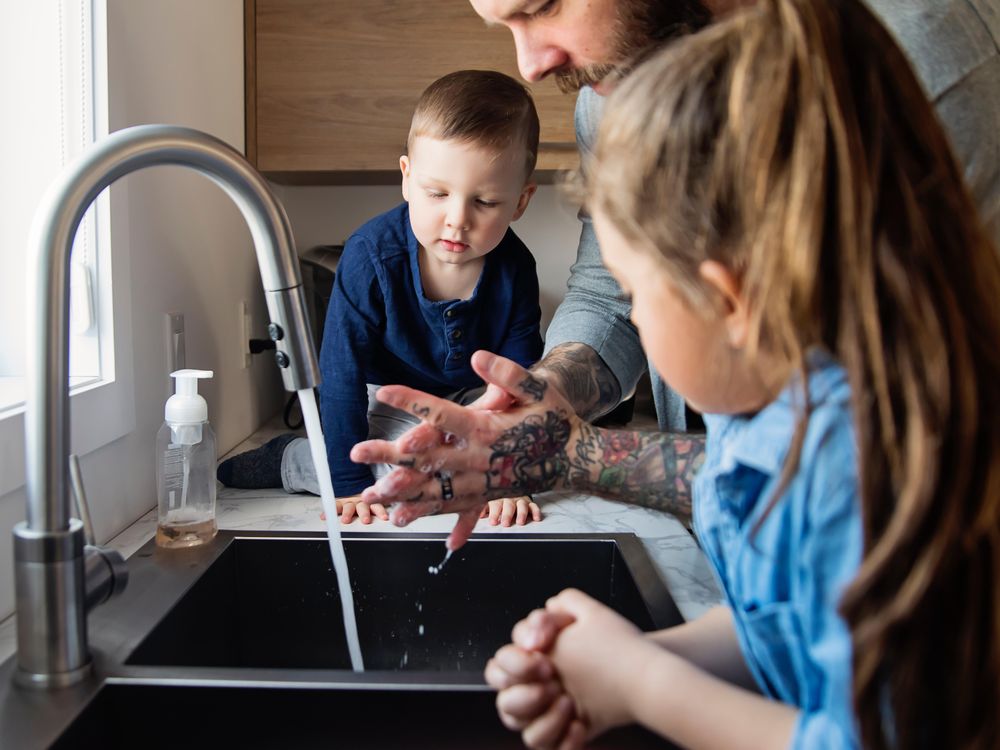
{"points": [[298, 474]]}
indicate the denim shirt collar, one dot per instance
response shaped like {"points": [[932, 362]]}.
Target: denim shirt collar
{"points": [[754, 447]]}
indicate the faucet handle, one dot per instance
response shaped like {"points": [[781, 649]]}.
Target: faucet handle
{"points": [[80, 495]]}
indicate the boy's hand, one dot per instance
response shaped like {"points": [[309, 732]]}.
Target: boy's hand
{"points": [[349, 507], [511, 510], [460, 458]]}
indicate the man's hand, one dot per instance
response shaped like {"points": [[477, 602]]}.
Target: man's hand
{"points": [[460, 457]]}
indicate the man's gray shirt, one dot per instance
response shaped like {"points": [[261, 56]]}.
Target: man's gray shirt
{"points": [[953, 46]]}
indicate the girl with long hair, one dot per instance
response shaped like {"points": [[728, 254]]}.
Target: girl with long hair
{"points": [[808, 268]]}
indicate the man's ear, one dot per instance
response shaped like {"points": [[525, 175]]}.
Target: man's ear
{"points": [[523, 200], [728, 288], [404, 168]]}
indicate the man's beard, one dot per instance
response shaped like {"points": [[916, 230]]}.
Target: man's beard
{"points": [[639, 26]]}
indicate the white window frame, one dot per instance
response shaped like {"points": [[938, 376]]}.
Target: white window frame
{"points": [[102, 397]]}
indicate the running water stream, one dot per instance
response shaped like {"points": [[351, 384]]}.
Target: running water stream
{"points": [[307, 400]]}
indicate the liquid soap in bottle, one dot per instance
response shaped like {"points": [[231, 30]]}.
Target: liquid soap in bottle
{"points": [[185, 467]]}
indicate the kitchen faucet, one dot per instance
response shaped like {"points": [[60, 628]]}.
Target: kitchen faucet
{"points": [[58, 578]]}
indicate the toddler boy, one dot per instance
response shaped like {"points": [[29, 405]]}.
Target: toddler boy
{"points": [[421, 287]]}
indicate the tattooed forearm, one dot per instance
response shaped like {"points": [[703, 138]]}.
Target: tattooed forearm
{"points": [[584, 379], [655, 470], [530, 457]]}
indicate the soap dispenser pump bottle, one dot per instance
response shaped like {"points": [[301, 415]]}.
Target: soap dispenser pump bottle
{"points": [[185, 467]]}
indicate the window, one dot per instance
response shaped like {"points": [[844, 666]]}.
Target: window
{"points": [[53, 85]]}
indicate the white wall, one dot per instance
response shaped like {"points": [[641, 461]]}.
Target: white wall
{"points": [[179, 62], [328, 215]]}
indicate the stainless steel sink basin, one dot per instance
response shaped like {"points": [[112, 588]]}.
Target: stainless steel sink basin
{"points": [[243, 642]]}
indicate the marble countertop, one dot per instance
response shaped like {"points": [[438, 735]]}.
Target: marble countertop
{"points": [[672, 549]]}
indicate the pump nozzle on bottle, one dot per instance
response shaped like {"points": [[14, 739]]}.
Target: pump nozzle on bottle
{"points": [[186, 410]]}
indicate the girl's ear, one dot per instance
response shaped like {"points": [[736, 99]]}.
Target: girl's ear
{"points": [[735, 312], [522, 201], [404, 168]]}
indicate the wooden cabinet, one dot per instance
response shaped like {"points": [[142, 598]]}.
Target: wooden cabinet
{"points": [[331, 84]]}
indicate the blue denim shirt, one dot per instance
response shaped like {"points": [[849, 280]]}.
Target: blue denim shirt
{"points": [[784, 582]]}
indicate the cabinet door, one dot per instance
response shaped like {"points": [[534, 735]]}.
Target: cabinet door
{"points": [[331, 84]]}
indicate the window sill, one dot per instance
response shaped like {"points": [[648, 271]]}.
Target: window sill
{"points": [[100, 413]]}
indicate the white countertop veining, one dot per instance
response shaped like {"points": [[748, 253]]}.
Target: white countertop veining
{"points": [[672, 549]]}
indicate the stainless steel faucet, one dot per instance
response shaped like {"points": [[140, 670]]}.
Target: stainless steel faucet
{"points": [[57, 577]]}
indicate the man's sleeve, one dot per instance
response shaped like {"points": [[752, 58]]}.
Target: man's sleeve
{"points": [[594, 311]]}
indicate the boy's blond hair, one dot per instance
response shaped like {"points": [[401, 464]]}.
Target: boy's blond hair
{"points": [[482, 107]]}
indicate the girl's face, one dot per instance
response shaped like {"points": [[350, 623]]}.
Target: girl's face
{"points": [[698, 352]]}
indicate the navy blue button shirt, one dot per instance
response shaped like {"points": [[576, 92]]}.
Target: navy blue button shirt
{"points": [[381, 329]]}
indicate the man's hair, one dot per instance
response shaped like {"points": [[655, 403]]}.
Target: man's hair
{"points": [[481, 107], [793, 143]]}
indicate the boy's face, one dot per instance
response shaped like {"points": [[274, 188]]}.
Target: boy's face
{"points": [[462, 197]]}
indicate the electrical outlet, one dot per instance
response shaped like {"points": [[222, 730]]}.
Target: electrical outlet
{"points": [[246, 328]]}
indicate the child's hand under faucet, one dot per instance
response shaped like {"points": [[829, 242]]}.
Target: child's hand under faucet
{"points": [[505, 512]]}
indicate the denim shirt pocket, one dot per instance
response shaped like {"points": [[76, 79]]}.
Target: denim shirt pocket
{"points": [[775, 641]]}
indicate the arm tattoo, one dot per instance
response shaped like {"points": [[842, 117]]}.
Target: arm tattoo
{"points": [[529, 457], [584, 379], [655, 470]]}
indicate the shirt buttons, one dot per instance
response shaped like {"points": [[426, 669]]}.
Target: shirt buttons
{"points": [[456, 335], [449, 313]]}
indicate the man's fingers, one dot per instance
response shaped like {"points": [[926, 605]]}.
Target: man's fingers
{"points": [[426, 461], [508, 376], [462, 530], [439, 412], [426, 491], [493, 399]]}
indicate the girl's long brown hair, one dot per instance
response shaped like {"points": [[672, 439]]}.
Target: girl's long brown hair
{"points": [[793, 142]]}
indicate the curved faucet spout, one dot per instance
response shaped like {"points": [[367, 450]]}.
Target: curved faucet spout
{"points": [[49, 569]]}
